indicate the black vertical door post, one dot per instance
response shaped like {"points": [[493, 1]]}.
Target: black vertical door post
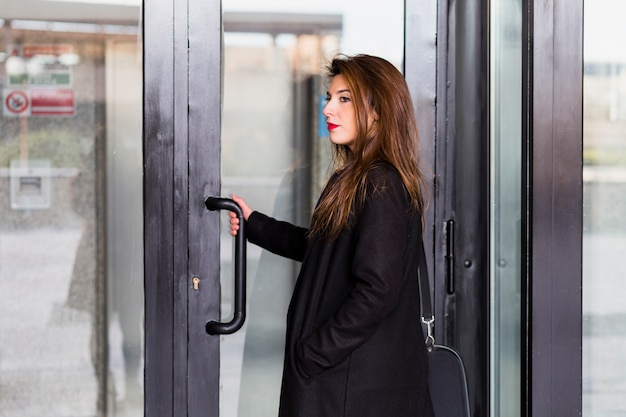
{"points": [[182, 112], [466, 226], [205, 94], [162, 337], [553, 358]]}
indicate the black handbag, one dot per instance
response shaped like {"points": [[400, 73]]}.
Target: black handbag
{"points": [[447, 382]]}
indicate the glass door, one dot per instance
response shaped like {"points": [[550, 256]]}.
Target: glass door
{"points": [[71, 270], [276, 154]]}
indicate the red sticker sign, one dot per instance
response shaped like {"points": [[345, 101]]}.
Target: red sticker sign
{"points": [[16, 102]]}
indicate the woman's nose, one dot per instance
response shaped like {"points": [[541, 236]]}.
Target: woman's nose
{"points": [[326, 110]]}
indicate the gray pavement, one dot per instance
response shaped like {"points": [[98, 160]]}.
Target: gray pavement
{"points": [[45, 357]]}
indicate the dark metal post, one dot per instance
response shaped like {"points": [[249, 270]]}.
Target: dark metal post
{"points": [[555, 260]]}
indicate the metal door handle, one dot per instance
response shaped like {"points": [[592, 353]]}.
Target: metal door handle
{"points": [[239, 314]]}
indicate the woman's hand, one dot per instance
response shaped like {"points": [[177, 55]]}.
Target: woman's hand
{"points": [[234, 220]]}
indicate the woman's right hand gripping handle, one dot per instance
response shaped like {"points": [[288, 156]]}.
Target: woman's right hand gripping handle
{"points": [[234, 220]]}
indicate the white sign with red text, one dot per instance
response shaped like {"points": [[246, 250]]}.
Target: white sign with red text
{"points": [[38, 102], [52, 102]]}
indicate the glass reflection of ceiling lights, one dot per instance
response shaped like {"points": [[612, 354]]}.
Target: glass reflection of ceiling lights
{"points": [[74, 27], [17, 65], [109, 2]]}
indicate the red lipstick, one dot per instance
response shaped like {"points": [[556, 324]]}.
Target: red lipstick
{"points": [[332, 126]]}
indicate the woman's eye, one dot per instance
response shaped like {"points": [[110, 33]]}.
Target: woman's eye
{"points": [[344, 99]]}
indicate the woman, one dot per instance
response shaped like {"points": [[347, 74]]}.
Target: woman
{"points": [[354, 343]]}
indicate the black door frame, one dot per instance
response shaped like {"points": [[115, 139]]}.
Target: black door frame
{"points": [[182, 107], [455, 146], [182, 113]]}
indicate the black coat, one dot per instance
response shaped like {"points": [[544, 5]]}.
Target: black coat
{"points": [[354, 343]]}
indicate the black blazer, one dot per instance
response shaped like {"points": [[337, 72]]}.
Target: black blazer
{"points": [[354, 343]]}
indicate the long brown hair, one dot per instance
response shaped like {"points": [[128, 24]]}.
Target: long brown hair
{"points": [[378, 88]]}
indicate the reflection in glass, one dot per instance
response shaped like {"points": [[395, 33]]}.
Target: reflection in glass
{"points": [[604, 226], [275, 155], [506, 168], [70, 214]]}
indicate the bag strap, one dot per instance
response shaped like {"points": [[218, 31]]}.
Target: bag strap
{"points": [[428, 318]]}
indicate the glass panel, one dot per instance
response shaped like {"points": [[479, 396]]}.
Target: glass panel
{"points": [[506, 168], [70, 213], [276, 157], [604, 225]]}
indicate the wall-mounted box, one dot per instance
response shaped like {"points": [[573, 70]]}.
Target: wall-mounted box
{"points": [[31, 184]]}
